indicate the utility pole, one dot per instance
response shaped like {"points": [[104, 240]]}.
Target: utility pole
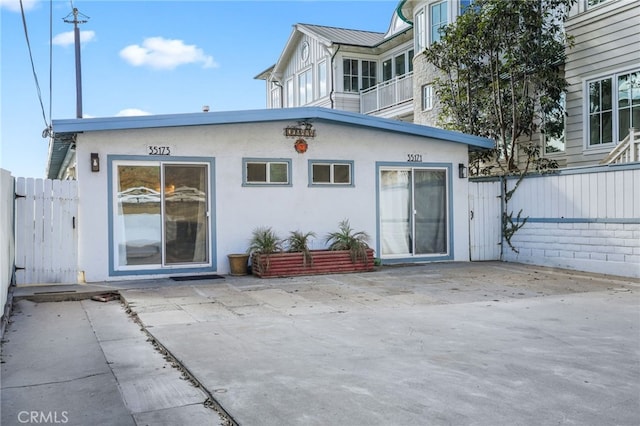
{"points": [[76, 37]]}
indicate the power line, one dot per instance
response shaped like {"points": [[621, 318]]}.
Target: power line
{"points": [[33, 68]]}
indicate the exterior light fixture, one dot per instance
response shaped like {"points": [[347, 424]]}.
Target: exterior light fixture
{"points": [[95, 162], [462, 171]]}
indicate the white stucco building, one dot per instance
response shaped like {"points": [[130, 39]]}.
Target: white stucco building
{"points": [[175, 194]]}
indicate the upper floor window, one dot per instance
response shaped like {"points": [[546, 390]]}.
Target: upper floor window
{"points": [[350, 73], [628, 103], [290, 93], [275, 97], [400, 65], [613, 107], [387, 70], [427, 97], [420, 32], [438, 19], [322, 79], [369, 74], [266, 171], [305, 87], [554, 126], [591, 3]]}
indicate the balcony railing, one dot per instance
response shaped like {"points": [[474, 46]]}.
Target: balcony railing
{"points": [[627, 151], [387, 94]]}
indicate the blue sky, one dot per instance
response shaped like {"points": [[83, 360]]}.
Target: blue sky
{"points": [[153, 57]]}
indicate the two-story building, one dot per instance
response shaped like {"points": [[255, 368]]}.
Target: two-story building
{"points": [[385, 74], [351, 70]]}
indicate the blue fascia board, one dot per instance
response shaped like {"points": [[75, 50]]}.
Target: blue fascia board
{"points": [[266, 115]]}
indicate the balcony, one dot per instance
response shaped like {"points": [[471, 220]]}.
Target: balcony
{"points": [[387, 94]]}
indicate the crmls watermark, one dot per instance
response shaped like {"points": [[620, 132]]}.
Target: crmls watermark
{"points": [[43, 417]]}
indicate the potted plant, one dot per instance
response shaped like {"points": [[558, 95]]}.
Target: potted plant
{"points": [[348, 251], [348, 239], [298, 242], [264, 243]]}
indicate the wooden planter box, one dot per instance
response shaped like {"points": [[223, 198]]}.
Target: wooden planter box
{"points": [[324, 262]]}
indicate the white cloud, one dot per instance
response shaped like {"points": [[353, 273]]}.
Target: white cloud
{"points": [[161, 53], [66, 39], [14, 5], [130, 112]]}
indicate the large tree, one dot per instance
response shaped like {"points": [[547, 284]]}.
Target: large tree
{"points": [[501, 76]]}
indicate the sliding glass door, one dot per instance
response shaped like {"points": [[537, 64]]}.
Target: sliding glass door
{"points": [[413, 211], [161, 215]]}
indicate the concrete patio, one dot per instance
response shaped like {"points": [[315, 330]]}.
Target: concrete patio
{"points": [[438, 344]]}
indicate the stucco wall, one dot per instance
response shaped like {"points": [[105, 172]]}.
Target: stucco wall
{"points": [[237, 209]]}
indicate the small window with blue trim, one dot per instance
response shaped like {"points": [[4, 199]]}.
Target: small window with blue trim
{"points": [[328, 172], [266, 172]]}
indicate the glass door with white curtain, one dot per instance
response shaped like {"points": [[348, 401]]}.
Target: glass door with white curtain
{"points": [[413, 212], [161, 215]]}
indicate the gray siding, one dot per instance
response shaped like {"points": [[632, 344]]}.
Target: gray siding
{"points": [[607, 40]]}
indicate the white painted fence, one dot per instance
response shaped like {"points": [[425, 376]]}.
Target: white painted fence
{"points": [[485, 233], [7, 248], [46, 231], [585, 219]]}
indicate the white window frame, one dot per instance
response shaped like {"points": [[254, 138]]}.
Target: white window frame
{"points": [[351, 75], [427, 97], [322, 79], [267, 163], [276, 101], [439, 24], [305, 78], [420, 28], [291, 96], [369, 78], [603, 147]]}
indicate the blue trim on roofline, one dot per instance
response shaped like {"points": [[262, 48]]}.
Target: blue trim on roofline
{"points": [[266, 115]]}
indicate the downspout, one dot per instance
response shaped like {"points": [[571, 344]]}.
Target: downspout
{"points": [[333, 75]]}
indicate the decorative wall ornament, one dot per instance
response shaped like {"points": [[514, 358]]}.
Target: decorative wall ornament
{"points": [[304, 129], [301, 146]]}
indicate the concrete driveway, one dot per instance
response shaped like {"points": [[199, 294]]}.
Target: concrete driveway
{"points": [[439, 344]]}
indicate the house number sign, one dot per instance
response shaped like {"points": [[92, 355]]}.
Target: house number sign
{"points": [[159, 150], [414, 158]]}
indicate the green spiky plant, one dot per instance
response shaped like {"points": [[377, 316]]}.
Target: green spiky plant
{"points": [[298, 242], [264, 241], [348, 239]]}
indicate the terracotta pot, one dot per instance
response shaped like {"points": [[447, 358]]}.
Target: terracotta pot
{"points": [[238, 264]]}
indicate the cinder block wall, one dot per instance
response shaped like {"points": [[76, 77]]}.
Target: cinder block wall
{"points": [[608, 248], [585, 219]]}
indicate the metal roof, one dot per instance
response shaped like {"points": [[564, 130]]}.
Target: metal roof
{"points": [[65, 130], [346, 36]]}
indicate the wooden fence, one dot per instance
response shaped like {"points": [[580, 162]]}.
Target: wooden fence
{"points": [[46, 231], [7, 248], [585, 219]]}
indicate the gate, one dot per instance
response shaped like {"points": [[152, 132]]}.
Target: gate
{"points": [[485, 233], [46, 232]]}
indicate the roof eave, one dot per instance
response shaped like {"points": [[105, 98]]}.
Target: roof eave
{"points": [[74, 126]]}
